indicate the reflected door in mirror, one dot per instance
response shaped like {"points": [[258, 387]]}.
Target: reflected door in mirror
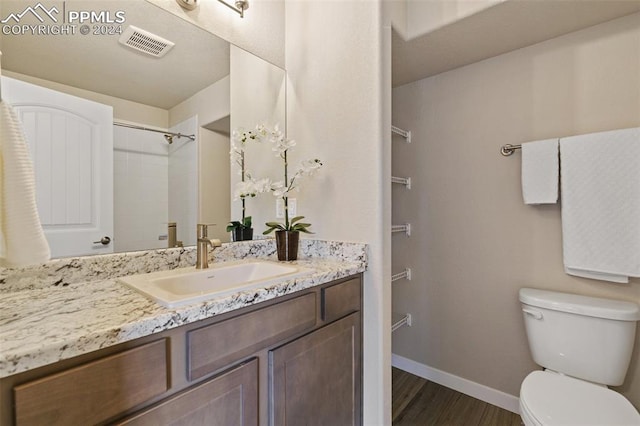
{"points": [[70, 140]]}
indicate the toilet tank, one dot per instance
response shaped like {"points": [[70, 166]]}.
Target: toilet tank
{"points": [[584, 337]]}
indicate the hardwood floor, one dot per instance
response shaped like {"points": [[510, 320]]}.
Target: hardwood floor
{"points": [[416, 401]]}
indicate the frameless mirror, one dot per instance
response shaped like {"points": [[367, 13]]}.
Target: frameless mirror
{"points": [[187, 96]]}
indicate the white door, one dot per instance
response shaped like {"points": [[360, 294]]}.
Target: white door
{"points": [[71, 144]]}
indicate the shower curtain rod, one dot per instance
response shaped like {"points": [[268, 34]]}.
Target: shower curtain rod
{"points": [[133, 126]]}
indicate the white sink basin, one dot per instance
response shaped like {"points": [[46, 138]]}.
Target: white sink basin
{"points": [[183, 286]]}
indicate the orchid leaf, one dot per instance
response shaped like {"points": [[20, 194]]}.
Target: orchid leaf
{"points": [[272, 226], [236, 224], [247, 222], [297, 218], [233, 225]]}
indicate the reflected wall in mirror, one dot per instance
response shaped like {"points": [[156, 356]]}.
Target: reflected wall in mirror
{"points": [[191, 90]]}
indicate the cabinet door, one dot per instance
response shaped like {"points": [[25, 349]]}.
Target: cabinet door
{"points": [[227, 400], [317, 379]]}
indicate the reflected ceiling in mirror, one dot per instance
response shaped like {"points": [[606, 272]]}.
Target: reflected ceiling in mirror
{"points": [[99, 63]]}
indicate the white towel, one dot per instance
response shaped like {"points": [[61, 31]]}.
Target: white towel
{"points": [[601, 204], [540, 171], [22, 241]]}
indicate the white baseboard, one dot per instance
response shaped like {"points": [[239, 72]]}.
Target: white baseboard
{"points": [[467, 387]]}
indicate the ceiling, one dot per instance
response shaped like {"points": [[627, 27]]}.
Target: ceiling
{"points": [[99, 63], [502, 28]]}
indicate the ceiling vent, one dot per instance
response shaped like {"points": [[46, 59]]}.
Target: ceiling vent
{"points": [[145, 41]]}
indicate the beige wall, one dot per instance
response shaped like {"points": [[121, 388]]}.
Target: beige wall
{"points": [[474, 242], [423, 16], [209, 104], [414, 18]]}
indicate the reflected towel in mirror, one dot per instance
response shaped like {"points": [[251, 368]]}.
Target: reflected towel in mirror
{"points": [[22, 240]]}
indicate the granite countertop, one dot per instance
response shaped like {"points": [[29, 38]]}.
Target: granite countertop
{"points": [[45, 318]]}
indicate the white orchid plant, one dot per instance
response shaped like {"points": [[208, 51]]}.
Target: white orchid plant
{"points": [[248, 186], [282, 189]]}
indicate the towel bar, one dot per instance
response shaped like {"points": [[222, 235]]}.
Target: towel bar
{"points": [[406, 228], [402, 181], [404, 133], [509, 149], [400, 320], [406, 274]]}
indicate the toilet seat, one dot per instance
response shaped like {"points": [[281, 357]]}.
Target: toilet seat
{"points": [[551, 399]]}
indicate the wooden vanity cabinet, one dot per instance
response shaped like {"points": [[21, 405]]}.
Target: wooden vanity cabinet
{"points": [[230, 399], [292, 360]]}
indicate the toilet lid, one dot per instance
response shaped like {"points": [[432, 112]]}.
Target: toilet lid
{"points": [[554, 399]]}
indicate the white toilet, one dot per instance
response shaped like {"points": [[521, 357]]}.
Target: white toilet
{"points": [[584, 344]]}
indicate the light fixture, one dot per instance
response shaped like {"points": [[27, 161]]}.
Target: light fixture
{"points": [[240, 6], [188, 4]]}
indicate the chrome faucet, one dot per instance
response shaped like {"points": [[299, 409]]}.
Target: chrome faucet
{"points": [[202, 246]]}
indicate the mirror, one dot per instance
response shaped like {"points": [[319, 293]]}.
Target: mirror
{"points": [[202, 86]]}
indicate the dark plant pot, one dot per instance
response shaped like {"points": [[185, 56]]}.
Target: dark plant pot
{"points": [[287, 244], [242, 234]]}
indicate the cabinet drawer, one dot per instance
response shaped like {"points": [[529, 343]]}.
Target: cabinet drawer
{"points": [[230, 399], [96, 391], [341, 299], [218, 345]]}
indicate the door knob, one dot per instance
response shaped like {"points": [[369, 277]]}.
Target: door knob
{"points": [[104, 241]]}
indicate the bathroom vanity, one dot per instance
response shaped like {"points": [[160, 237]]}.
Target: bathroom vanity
{"points": [[282, 355]]}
